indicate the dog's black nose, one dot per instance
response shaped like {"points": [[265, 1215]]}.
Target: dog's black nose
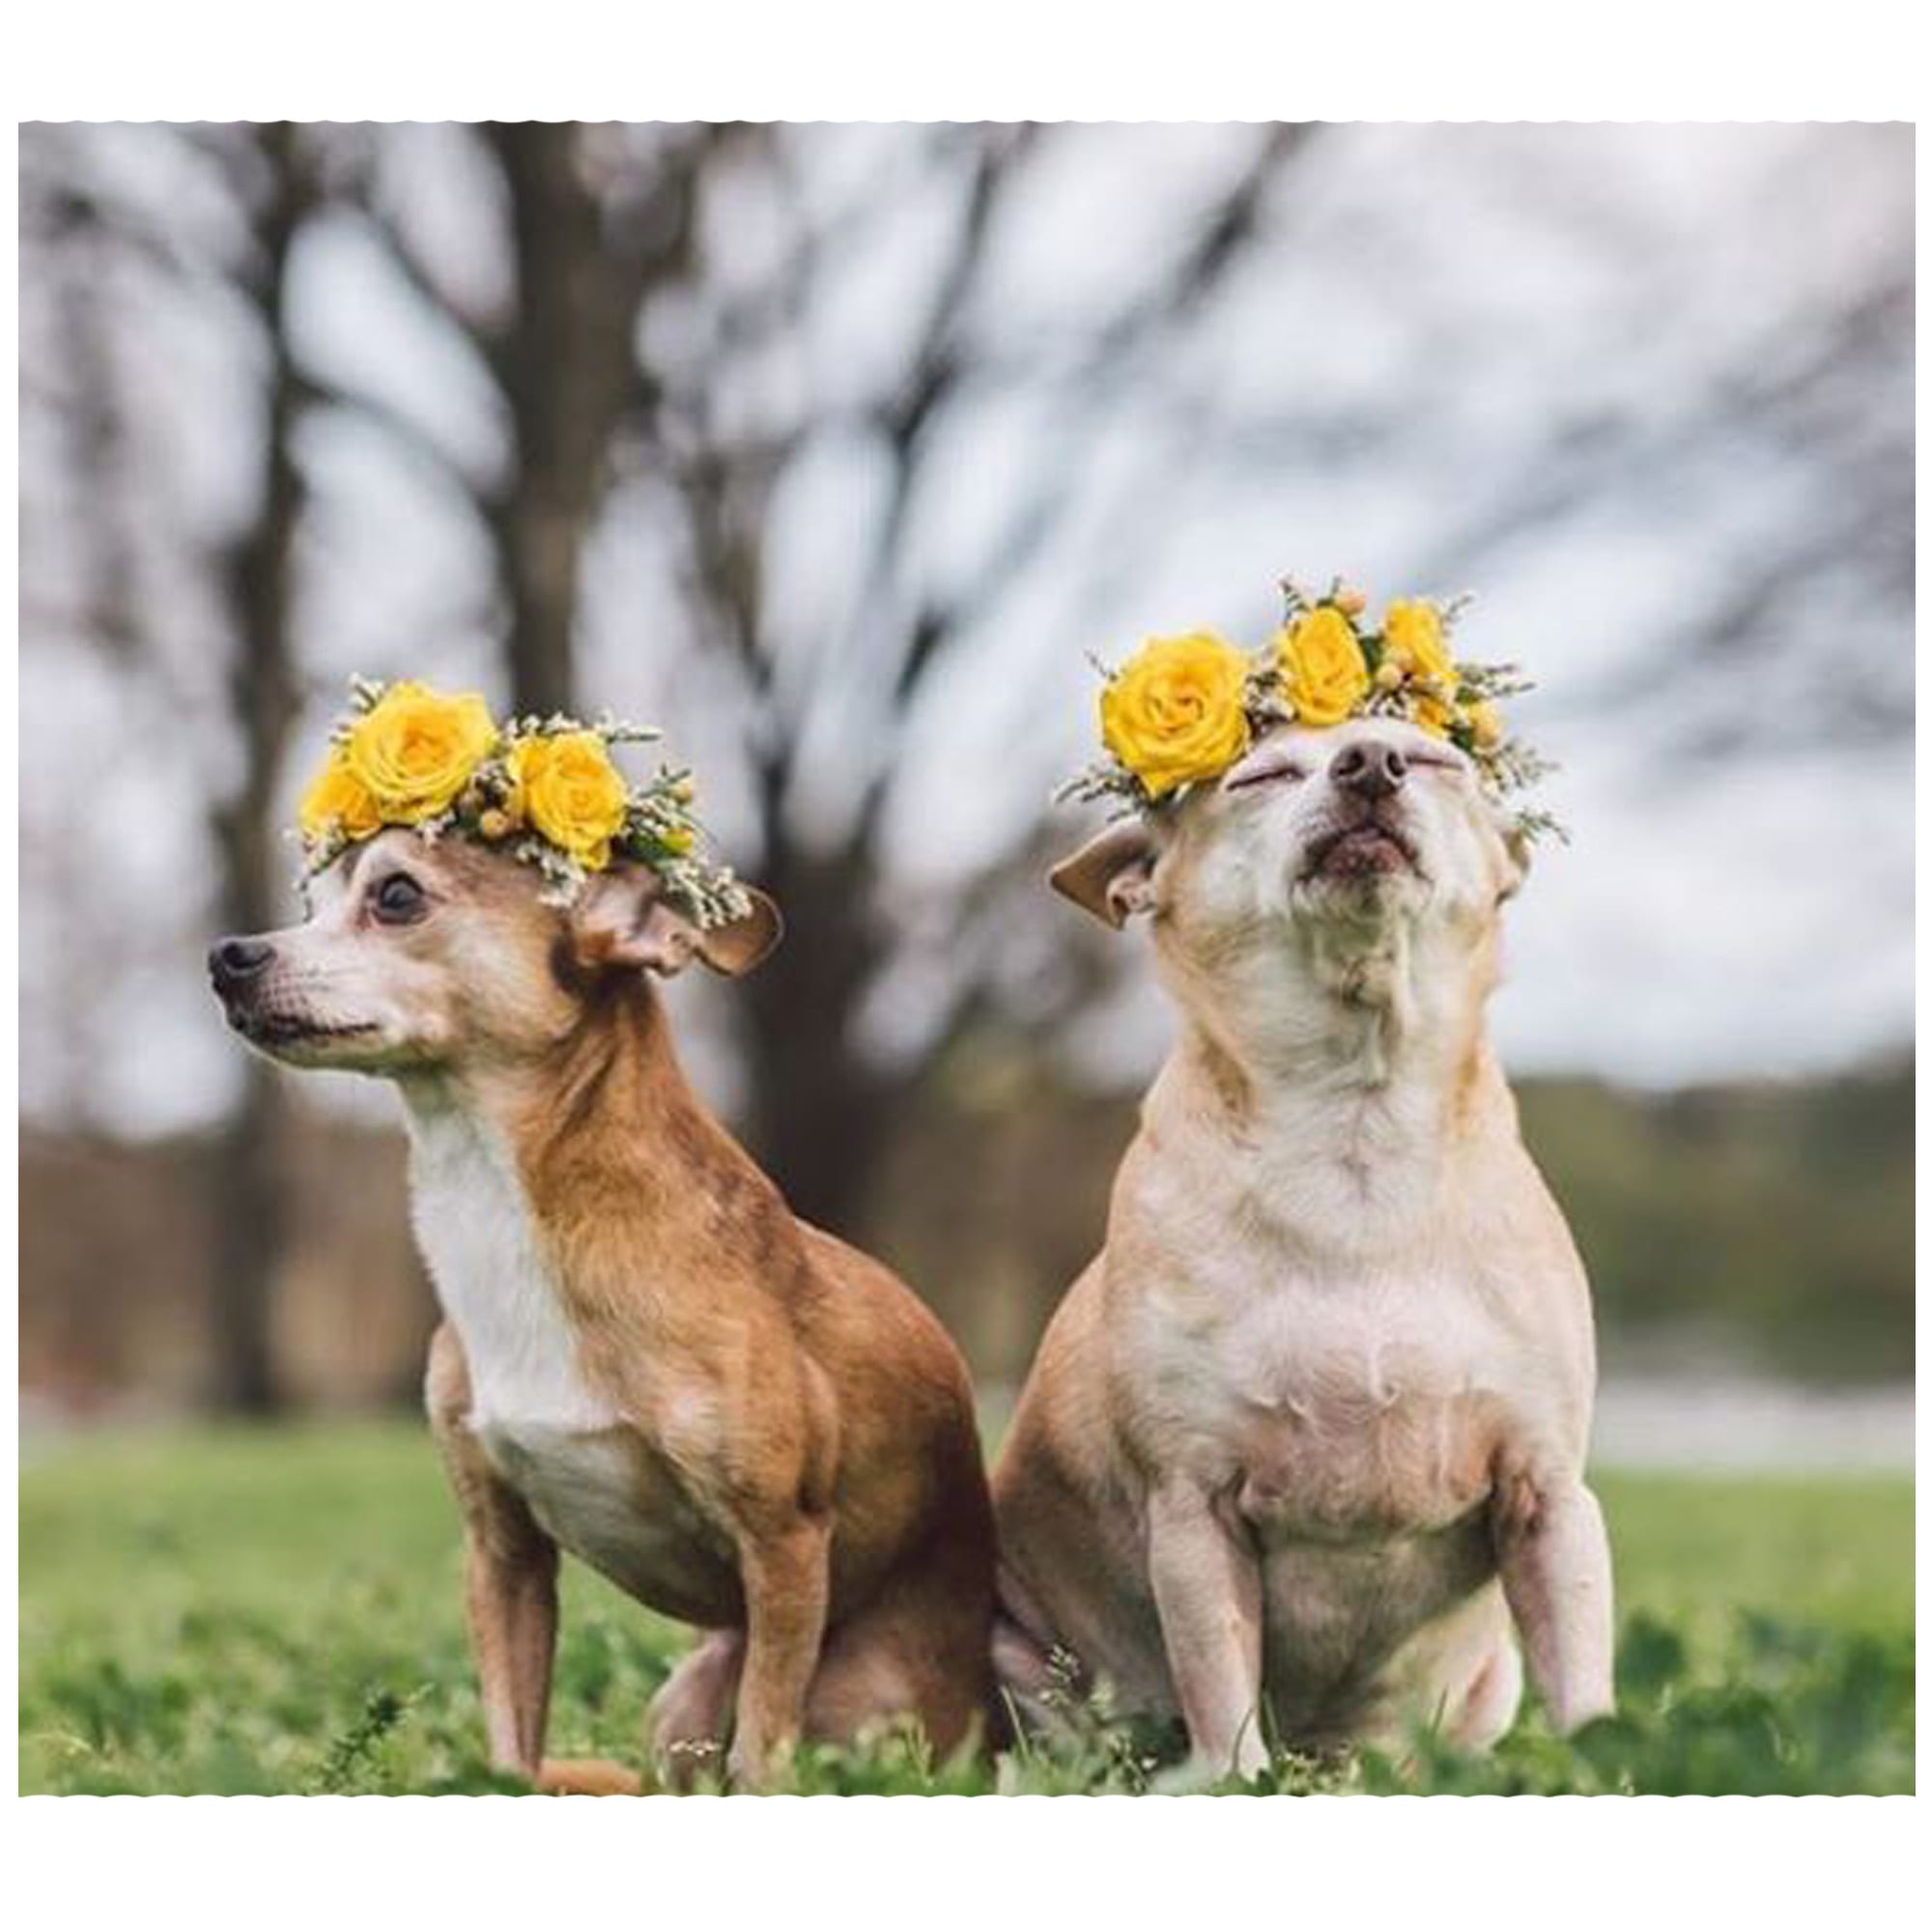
{"points": [[230, 961], [1369, 768]]}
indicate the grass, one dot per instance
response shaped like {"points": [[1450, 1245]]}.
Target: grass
{"points": [[234, 1612]]}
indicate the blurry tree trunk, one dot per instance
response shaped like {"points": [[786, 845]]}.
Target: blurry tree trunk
{"points": [[251, 1206], [820, 1112], [567, 367]]}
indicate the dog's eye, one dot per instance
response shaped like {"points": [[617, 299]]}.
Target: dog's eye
{"points": [[1264, 774], [399, 899]]}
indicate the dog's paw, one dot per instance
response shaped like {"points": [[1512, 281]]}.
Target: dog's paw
{"points": [[587, 1778], [688, 1764]]}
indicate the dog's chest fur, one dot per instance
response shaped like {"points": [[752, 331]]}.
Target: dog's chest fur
{"points": [[1330, 1411], [1360, 1413], [1322, 1347], [588, 1476]]}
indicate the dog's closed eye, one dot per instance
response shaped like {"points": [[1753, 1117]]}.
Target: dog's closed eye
{"points": [[1264, 769]]}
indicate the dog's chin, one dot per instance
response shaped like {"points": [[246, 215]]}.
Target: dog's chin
{"points": [[297, 1038]]}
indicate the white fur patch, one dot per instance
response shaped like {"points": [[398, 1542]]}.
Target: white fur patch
{"points": [[588, 1478], [474, 1225]]}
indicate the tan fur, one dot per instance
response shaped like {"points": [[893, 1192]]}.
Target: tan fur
{"points": [[1310, 1431], [753, 1427]]}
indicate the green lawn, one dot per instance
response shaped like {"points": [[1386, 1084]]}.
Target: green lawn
{"points": [[253, 1612]]}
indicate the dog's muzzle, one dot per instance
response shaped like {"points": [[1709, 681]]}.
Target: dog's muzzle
{"points": [[1366, 837]]}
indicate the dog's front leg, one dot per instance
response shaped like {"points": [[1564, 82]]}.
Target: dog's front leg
{"points": [[1556, 1559], [512, 1604], [787, 1584], [510, 1575], [1207, 1589]]}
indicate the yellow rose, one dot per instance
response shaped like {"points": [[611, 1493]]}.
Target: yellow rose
{"points": [[1322, 667], [415, 750], [1413, 638], [1175, 711], [565, 784], [337, 803]]}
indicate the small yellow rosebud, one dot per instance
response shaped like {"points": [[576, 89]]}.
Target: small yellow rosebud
{"points": [[1412, 634], [1486, 726], [1389, 675], [684, 790], [494, 824], [1433, 716], [1351, 603]]}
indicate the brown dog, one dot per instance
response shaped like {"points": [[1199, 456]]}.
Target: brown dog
{"points": [[646, 1360]]}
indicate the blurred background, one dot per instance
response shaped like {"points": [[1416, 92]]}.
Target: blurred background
{"points": [[835, 449]]}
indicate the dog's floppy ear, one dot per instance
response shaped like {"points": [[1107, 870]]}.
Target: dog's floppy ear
{"points": [[738, 946], [1111, 875], [624, 920], [1516, 851]]}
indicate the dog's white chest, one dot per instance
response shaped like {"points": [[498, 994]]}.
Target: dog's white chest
{"points": [[475, 1229]]}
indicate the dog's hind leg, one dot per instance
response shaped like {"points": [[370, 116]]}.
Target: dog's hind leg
{"points": [[915, 1658], [688, 1727], [1489, 1701], [1036, 1684]]}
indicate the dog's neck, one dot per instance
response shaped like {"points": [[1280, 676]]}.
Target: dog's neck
{"points": [[614, 1156], [1355, 1049]]}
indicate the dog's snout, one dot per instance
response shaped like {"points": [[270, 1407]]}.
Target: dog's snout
{"points": [[233, 961], [1369, 768]]}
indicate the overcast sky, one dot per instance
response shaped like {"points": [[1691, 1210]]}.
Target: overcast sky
{"points": [[1436, 321]]}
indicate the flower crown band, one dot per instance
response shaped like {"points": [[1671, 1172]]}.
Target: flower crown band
{"points": [[1184, 709], [543, 789]]}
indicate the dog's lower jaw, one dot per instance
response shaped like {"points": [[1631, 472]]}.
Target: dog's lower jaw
{"points": [[308, 1042]]}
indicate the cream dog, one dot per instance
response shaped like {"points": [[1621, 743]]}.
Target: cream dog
{"points": [[1310, 1432], [645, 1359]]}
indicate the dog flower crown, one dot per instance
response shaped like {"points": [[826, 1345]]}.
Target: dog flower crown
{"points": [[1183, 709], [543, 789]]}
